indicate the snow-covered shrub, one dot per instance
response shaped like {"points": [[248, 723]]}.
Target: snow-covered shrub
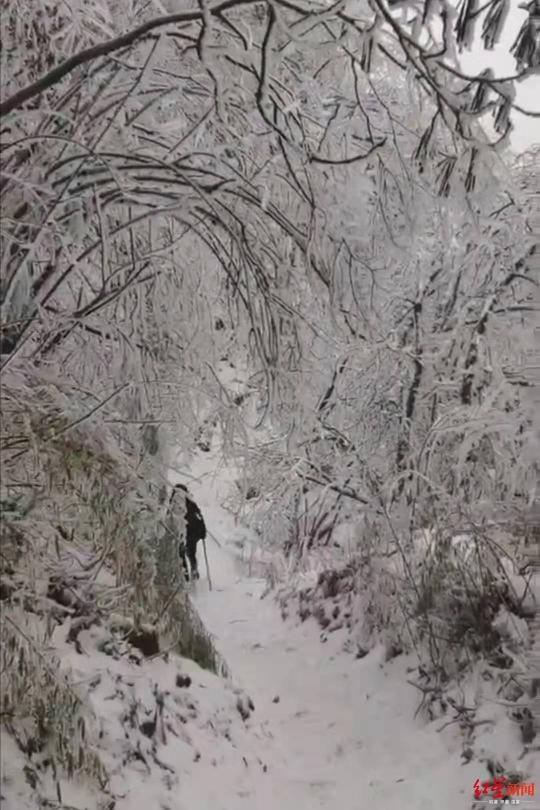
{"points": [[41, 707], [451, 598], [83, 539], [412, 408]]}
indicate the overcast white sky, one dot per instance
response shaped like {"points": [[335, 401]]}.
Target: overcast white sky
{"points": [[526, 129]]}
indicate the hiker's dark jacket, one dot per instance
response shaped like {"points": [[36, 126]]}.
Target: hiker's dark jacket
{"points": [[195, 526]]}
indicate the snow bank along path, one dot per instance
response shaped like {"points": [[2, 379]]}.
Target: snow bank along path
{"points": [[336, 732]]}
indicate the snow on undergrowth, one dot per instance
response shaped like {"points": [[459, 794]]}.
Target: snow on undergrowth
{"points": [[104, 708], [151, 723], [415, 597], [466, 635], [84, 550]]}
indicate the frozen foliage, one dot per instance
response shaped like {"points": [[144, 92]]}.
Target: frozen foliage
{"points": [[305, 196], [238, 178], [413, 410], [131, 728], [147, 727], [83, 546], [214, 138], [171, 735]]}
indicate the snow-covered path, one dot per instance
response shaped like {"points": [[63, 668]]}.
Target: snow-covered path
{"points": [[342, 734]]}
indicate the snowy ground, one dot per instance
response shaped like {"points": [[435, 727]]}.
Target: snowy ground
{"points": [[328, 730], [334, 731]]}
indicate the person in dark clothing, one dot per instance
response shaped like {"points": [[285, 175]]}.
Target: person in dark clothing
{"points": [[195, 531]]}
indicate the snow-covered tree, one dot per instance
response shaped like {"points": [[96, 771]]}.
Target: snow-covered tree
{"points": [[315, 190]]}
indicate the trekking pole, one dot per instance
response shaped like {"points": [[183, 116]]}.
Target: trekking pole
{"points": [[207, 566], [214, 538]]}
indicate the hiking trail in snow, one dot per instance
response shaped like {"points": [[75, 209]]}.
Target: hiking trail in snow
{"points": [[328, 730], [334, 731]]}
